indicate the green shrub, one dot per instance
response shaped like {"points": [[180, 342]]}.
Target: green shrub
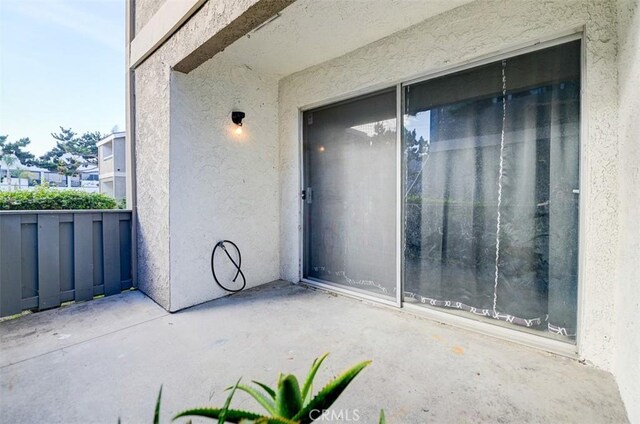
{"points": [[45, 198]]}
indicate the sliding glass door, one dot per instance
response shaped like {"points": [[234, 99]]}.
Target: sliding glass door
{"points": [[491, 190], [489, 161], [349, 152]]}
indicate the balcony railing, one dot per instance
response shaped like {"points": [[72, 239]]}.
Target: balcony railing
{"points": [[51, 257]]}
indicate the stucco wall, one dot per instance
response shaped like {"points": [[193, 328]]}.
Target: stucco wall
{"points": [[462, 34], [119, 155], [627, 365], [152, 178], [152, 105], [192, 111], [120, 188], [223, 185], [144, 10]]}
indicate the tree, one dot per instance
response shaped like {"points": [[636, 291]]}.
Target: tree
{"points": [[86, 146], [51, 159], [17, 148], [83, 146], [71, 151], [6, 155], [12, 153]]}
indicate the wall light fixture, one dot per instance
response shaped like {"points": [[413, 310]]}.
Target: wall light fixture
{"points": [[237, 118]]}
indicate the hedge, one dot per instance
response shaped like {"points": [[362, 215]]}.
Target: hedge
{"points": [[45, 198]]}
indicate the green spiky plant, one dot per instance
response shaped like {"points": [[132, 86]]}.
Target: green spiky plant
{"points": [[288, 403]]}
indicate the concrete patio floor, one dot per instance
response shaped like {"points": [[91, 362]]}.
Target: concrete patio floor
{"points": [[100, 360]]}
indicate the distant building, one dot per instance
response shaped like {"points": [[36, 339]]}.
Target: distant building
{"points": [[89, 175], [22, 176], [112, 165]]}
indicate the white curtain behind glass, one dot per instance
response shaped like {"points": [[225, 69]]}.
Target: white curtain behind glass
{"points": [[350, 210], [491, 216]]}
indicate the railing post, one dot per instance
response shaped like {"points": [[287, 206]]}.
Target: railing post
{"points": [[83, 256], [10, 265], [111, 252], [48, 261]]}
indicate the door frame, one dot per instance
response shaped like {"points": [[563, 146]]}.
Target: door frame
{"points": [[354, 292], [565, 348]]}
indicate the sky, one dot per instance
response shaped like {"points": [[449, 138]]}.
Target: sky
{"points": [[62, 63]]}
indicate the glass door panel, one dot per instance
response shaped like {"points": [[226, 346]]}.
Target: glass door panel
{"points": [[349, 154], [491, 191]]}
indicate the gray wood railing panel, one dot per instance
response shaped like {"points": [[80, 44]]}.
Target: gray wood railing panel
{"points": [[10, 265], [111, 252], [29, 250], [49, 257], [48, 261], [83, 256], [66, 254], [125, 251], [98, 259]]}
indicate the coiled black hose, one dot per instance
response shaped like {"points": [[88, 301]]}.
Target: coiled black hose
{"points": [[239, 272]]}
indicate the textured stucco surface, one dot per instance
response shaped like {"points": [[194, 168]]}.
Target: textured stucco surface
{"points": [[310, 32], [152, 105], [152, 178], [251, 18], [476, 29], [627, 365], [223, 185], [188, 110], [144, 10]]}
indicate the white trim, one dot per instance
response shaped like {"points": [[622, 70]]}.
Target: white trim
{"points": [[111, 137], [490, 329], [399, 196], [302, 211], [583, 179], [117, 174], [349, 292], [162, 25]]}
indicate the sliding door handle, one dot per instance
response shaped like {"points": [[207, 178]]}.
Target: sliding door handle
{"points": [[306, 195]]}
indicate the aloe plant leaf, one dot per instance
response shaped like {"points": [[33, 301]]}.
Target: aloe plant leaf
{"points": [[288, 398], [156, 413], [306, 387], [260, 398], [231, 415], [383, 420], [273, 420], [227, 403], [266, 388], [325, 398], [307, 398]]}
